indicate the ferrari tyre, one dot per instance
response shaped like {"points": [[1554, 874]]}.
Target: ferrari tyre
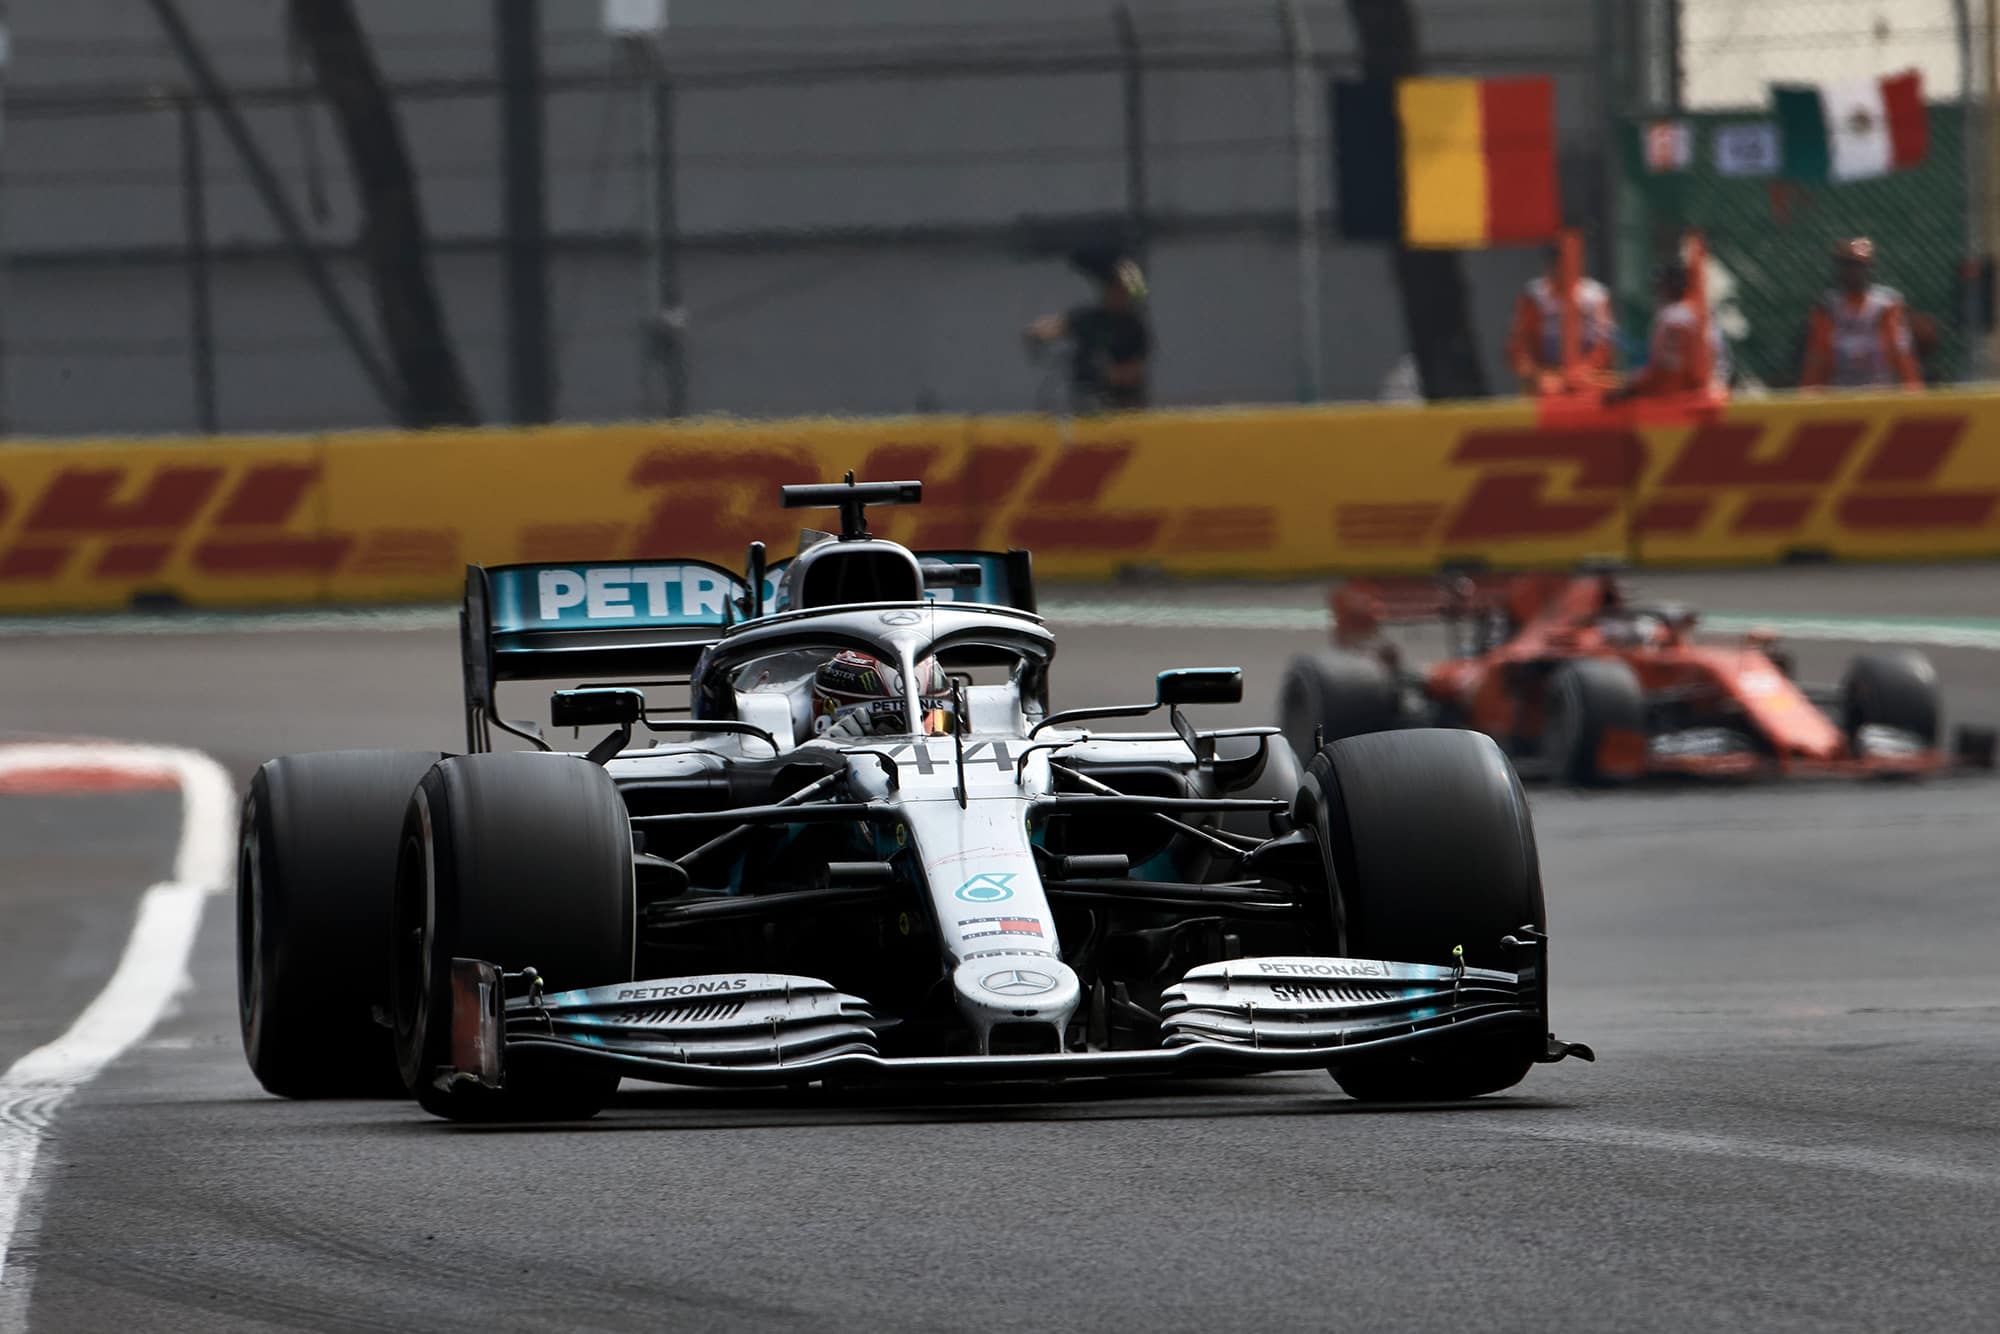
{"points": [[1892, 688], [315, 877], [1335, 694], [1429, 846], [521, 860], [1585, 700]]}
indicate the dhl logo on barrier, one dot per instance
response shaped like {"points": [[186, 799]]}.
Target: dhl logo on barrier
{"points": [[391, 516], [1716, 484]]}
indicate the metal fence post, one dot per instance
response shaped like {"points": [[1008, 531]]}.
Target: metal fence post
{"points": [[6, 248], [524, 242], [194, 219], [1298, 49], [385, 382], [1132, 71], [1983, 222], [666, 322]]}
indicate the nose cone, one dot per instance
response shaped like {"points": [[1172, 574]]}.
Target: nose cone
{"points": [[1028, 990]]}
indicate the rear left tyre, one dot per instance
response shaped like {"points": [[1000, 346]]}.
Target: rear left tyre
{"points": [[315, 877], [522, 860], [1429, 845]]}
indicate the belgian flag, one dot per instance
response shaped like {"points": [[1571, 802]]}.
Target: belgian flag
{"points": [[1446, 164]]}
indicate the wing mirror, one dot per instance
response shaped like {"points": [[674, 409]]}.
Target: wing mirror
{"points": [[1199, 685], [1182, 685], [602, 707]]}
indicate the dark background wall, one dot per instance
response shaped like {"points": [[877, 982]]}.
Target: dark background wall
{"points": [[862, 186]]}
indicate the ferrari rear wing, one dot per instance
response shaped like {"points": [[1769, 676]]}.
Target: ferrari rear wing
{"points": [[1361, 607]]}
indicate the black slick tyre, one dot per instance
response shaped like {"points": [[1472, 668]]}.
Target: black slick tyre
{"points": [[315, 878], [521, 860], [1584, 700], [1429, 845], [1335, 694], [1895, 688]]}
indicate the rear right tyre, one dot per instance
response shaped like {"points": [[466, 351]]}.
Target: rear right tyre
{"points": [[522, 860], [315, 876], [1586, 701], [1429, 845]]}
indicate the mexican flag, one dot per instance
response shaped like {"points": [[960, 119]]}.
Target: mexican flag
{"points": [[1854, 130]]}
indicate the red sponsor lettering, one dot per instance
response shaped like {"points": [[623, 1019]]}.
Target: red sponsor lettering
{"points": [[131, 560], [272, 555], [1773, 514], [1894, 491], [39, 560], [85, 500], [1515, 503], [1715, 462], [1720, 454], [1870, 513], [1366, 524], [1681, 514], [1065, 511], [269, 493], [406, 551], [1225, 528], [541, 543], [958, 506], [713, 501], [1914, 449]]}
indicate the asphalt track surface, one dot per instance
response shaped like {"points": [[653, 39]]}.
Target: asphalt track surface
{"points": [[1792, 1125]]}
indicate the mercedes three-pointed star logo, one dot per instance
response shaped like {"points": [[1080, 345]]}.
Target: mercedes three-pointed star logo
{"points": [[1018, 982]]}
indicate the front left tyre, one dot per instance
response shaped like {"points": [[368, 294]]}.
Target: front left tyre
{"points": [[1893, 688], [316, 871], [1428, 846], [522, 860]]}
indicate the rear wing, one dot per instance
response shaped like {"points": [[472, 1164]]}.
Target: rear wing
{"points": [[1361, 607], [589, 620], [599, 620]]}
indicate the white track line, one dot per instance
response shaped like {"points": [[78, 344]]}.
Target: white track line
{"points": [[150, 973], [1834, 1158]]}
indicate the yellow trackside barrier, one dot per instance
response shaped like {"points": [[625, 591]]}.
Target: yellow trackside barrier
{"points": [[395, 516]]}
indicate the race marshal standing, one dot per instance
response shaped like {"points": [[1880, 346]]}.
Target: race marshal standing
{"points": [[1677, 364], [1535, 339], [1858, 333]]}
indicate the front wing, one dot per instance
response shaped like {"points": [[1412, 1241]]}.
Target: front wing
{"points": [[762, 1029]]}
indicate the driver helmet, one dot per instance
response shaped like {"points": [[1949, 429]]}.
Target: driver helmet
{"points": [[860, 695]]}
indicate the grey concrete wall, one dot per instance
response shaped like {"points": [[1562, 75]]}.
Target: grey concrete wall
{"points": [[773, 136]]}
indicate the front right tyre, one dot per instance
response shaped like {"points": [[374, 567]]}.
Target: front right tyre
{"points": [[522, 860]]}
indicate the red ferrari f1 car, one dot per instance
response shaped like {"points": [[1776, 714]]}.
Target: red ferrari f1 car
{"points": [[1582, 685]]}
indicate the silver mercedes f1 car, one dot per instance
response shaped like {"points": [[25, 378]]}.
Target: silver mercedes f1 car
{"points": [[859, 847]]}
